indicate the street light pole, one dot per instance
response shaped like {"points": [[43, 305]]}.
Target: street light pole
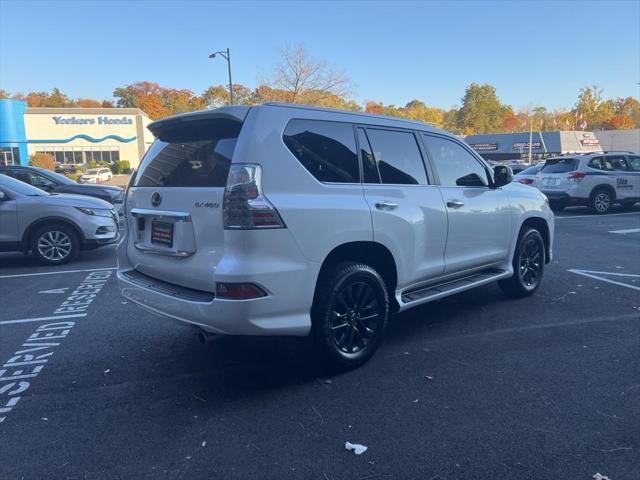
{"points": [[227, 56]]}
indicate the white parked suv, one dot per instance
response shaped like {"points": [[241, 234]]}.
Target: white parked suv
{"points": [[291, 220], [96, 175], [596, 179]]}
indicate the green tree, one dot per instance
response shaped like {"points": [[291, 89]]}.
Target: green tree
{"points": [[481, 110]]}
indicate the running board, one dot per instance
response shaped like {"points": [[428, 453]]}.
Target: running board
{"points": [[434, 292]]}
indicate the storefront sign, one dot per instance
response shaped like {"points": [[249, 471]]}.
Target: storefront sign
{"points": [[102, 120], [483, 147], [590, 142], [525, 145]]}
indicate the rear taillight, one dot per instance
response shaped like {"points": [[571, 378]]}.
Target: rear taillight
{"points": [[239, 291], [244, 206], [576, 176], [526, 181]]}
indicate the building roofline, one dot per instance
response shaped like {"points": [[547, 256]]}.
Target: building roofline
{"points": [[84, 111]]}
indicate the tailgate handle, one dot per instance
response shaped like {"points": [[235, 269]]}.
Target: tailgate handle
{"points": [[386, 205]]}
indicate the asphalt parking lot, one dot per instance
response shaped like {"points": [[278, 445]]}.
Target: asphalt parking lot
{"points": [[471, 387]]}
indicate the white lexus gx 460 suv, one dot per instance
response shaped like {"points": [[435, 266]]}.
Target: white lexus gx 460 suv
{"points": [[291, 220]]}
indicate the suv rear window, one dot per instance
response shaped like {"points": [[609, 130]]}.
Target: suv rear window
{"points": [[326, 149], [194, 155], [560, 165]]}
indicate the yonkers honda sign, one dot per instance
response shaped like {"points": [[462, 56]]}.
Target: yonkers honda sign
{"points": [[102, 120]]}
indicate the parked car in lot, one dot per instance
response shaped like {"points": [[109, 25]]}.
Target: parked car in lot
{"points": [[596, 179], [95, 175], [55, 183], [54, 227], [291, 220], [528, 175], [65, 168]]}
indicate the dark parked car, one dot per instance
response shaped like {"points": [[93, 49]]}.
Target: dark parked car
{"points": [[65, 168], [55, 183]]}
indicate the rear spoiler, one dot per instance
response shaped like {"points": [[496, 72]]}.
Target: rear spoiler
{"points": [[226, 122]]}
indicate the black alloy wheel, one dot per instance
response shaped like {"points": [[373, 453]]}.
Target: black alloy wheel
{"points": [[528, 265], [350, 314]]}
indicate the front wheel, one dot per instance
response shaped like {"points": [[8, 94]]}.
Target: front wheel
{"points": [[528, 266], [55, 244], [350, 315]]}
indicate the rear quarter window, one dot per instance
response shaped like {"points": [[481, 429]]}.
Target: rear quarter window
{"points": [[326, 149]]}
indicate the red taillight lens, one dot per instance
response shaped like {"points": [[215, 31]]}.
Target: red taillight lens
{"points": [[526, 181], [245, 207], [576, 176], [239, 291]]}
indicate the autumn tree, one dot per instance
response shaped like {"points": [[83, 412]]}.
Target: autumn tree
{"points": [[305, 80], [481, 111], [3, 94], [87, 103]]}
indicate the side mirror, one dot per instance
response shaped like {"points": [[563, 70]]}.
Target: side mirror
{"points": [[1, 196], [502, 175]]}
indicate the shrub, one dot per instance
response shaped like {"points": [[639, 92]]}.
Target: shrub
{"points": [[42, 160], [122, 166], [115, 168]]}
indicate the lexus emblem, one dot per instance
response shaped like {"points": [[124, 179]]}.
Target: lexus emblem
{"points": [[156, 199]]}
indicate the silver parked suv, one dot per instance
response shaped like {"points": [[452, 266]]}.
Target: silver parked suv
{"points": [[54, 226], [291, 220], [597, 179]]}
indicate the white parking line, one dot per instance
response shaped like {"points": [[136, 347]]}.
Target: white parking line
{"points": [[596, 276], [42, 319], [629, 230], [55, 273], [599, 216]]}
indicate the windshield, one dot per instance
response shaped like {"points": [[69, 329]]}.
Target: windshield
{"points": [[93, 171], [531, 170], [21, 188], [56, 176], [560, 165]]}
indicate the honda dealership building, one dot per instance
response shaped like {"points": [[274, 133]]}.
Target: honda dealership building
{"points": [[72, 135]]}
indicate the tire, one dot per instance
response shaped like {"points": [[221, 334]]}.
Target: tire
{"points": [[351, 300], [528, 266], [55, 244], [600, 201]]}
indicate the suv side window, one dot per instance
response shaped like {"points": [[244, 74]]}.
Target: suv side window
{"points": [[634, 163], [32, 179], [597, 163], [456, 167], [619, 164], [397, 156], [369, 165], [326, 149]]}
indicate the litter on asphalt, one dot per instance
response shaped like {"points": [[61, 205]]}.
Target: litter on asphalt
{"points": [[356, 447]]}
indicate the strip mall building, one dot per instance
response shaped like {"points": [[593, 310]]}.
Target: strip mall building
{"points": [[72, 135]]}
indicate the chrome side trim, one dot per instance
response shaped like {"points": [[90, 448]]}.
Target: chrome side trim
{"points": [[147, 212]]}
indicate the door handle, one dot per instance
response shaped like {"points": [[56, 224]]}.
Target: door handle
{"points": [[386, 205], [455, 204]]}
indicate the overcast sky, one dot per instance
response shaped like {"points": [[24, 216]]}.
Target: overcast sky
{"points": [[535, 53]]}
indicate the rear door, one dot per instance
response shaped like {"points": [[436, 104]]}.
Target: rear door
{"points": [[624, 179], [634, 173], [407, 212], [479, 217], [174, 204]]}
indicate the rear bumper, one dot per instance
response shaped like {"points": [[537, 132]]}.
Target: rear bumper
{"points": [[260, 316], [563, 197], [277, 267]]}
